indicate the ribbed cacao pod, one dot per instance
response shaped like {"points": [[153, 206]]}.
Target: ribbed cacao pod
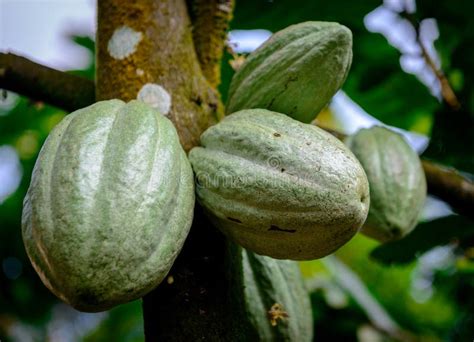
{"points": [[269, 297], [397, 182], [109, 205], [280, 187], [296, 72]]}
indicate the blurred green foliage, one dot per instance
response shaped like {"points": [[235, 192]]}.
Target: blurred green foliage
{"points": [[424, 237], [442, 310], [453, 132]]}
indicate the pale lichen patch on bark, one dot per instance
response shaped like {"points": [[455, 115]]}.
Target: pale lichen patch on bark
{"points": [[156, 96], [124, 42]]}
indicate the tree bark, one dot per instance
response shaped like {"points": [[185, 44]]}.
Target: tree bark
{"points": [[41, 83], [196, 305], [211, 19], [452, 187], [150, 42]]}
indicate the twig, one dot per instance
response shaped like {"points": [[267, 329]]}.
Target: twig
{"points": [[39, 82], [211, 19], [447, 91]]}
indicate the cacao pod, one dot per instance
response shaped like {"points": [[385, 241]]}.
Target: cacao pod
{"points": [[280, 187], [109, 205], [270, 297], [397, 182], [296, 72]]}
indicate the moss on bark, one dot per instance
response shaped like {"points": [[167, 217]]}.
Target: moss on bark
{"points": [[211, 20], [163, 55]]}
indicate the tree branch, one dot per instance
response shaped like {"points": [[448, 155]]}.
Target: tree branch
{"points": [[196, 305], [211, 20], [447, 91], [449, 185], [41, 83]]}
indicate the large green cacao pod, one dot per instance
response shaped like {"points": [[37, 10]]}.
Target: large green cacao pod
{"points": [[109, 205], [397, 182], [296, 72], [280, 187], [269, 298]]}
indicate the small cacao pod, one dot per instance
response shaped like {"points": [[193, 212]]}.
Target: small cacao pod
{"points": [[280, 187], [397, 182], [109, 205], [269, 297], [296, 72]]}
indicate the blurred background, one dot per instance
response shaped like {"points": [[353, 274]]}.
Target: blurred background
{"points": [[406, 54]]}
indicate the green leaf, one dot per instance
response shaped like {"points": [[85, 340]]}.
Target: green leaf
{"points": [[426, 236]]}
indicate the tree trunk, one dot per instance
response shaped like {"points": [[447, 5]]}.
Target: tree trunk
{"points": [[145, 49], [195, 303]]}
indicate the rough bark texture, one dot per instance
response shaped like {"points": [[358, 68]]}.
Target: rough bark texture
{"points": [[41, 83], [196, 305], [161, 52], [211, 19]]}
